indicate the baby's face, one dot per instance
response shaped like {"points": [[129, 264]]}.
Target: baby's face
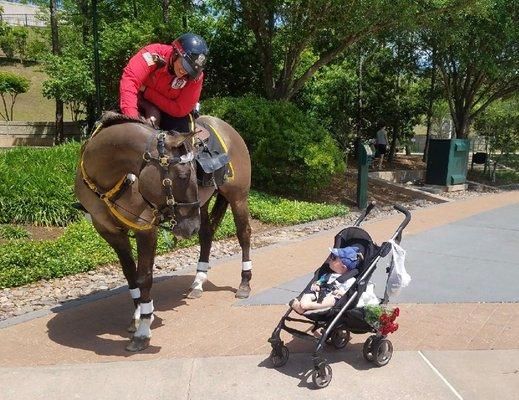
{"points": [[336, 264]]}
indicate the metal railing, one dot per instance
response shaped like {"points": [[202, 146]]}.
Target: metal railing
{"points": [[22, 20]]}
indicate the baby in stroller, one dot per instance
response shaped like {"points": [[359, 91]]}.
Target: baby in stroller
{"points": [[329, 287]]}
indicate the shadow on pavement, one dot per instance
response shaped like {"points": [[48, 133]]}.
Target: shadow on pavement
{"points": [[100, 326], [300, 366]]}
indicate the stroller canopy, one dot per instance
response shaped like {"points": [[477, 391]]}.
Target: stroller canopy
{"points": [[355, 236]]}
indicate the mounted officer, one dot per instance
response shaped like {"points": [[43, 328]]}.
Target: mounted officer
{"points": [[162, 83]]}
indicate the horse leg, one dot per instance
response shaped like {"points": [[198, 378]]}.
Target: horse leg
{"points": [[121, 244], [205, 236], [146, 247], [240, 212]]}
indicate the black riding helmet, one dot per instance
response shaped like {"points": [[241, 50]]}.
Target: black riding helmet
{"points": [[192, 50]]}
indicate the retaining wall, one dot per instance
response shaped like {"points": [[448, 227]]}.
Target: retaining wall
{"points": [[23, 133]]}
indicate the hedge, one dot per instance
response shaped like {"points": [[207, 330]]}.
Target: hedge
{"points": [[290, 152], [36, 185], [81, 249]]}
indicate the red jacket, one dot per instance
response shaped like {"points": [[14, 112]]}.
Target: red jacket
{"points": [[176, 97]]}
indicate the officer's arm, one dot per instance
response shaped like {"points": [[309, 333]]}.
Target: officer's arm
{"points": [[182, 105], [134, 75]]}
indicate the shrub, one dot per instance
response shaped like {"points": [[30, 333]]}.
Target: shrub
{"points": [[11, 85], [81, 249], [290, 152], [36, 185], [13, 232]]}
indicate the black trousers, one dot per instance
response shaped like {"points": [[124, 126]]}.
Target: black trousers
{"points": [[179, 124]]}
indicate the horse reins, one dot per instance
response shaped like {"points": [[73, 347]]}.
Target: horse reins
{"points": [[164, 162]]}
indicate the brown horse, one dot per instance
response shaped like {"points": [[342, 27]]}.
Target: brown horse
{"points": [[131, 177]]}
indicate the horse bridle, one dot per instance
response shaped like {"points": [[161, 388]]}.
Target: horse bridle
{"points": [[164, 162]]}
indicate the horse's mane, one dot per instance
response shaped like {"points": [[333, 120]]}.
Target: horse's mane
{"points": [[110, 118]]}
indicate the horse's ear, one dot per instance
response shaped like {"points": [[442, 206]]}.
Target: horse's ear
{"points": [[181, 137]]}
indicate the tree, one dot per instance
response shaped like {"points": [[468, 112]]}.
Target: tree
{"points": [[392, 91], [60, 134], [285, 29], [70, 82], [478, 58], [499, 123], [11, 85]]}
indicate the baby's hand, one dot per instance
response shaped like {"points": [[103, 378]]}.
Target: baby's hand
{"points": [[315, 287]]}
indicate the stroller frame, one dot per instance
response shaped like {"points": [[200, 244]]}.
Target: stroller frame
{"points": [[322, 373]]}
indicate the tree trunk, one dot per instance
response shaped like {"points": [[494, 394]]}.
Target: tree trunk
{"points": [[165, 11], [392, 149], [430, 106], [60, 136], [86, 32]]}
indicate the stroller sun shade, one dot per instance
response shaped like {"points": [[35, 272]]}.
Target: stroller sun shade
{"points": [[354, 236]]}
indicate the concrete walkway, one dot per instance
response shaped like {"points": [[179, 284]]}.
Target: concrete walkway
{"points": [[214, 348]]}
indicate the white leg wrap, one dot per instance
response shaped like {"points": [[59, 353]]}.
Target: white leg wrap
{"points": [[246, 265], [200, 278], [146, 308], [202, 266], [144, 329], [137, 313], [135, 293]]}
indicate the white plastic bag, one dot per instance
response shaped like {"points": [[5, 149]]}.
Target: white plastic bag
{"points": [[398, 277], [369, 298]]}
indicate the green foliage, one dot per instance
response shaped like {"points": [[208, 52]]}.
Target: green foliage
{"points": [[392, 91], [36, 185], [70, 80], [11, 85], [81, 249], [119, 41], [13, 232], [500, 124], [477, 57], [13, 41], [276, 210], [290, 152], [284, 30]]}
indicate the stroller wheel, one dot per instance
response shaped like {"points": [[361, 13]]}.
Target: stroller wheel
{"points": [[367, 349], [322, 377], [339, 338], [278, 359], [382, 352]]}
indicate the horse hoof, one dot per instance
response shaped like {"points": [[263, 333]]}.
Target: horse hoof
{"points": [[243, 292], [132, 328], [195, 294], [138, 343]]}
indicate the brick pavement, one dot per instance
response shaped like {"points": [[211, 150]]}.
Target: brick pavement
{"points": [[212, 326]]}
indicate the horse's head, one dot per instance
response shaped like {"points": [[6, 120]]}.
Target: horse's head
{"points": [[170, 183]]}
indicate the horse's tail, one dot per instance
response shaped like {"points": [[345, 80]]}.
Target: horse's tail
{"points": [[218, 211]]}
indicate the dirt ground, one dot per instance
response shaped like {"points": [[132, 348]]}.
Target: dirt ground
{"points": [[343, 188]]}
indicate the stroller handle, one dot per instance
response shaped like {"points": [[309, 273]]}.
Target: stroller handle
{"points": [[405, 211], [365, 213]]}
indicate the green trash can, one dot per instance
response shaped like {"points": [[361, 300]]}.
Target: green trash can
{"points": [[447, 161]]}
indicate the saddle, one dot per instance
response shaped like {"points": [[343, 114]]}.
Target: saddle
{"points": [[212, 160]]}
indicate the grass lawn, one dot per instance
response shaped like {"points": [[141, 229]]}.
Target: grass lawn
{"points": [[31, 106]]}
